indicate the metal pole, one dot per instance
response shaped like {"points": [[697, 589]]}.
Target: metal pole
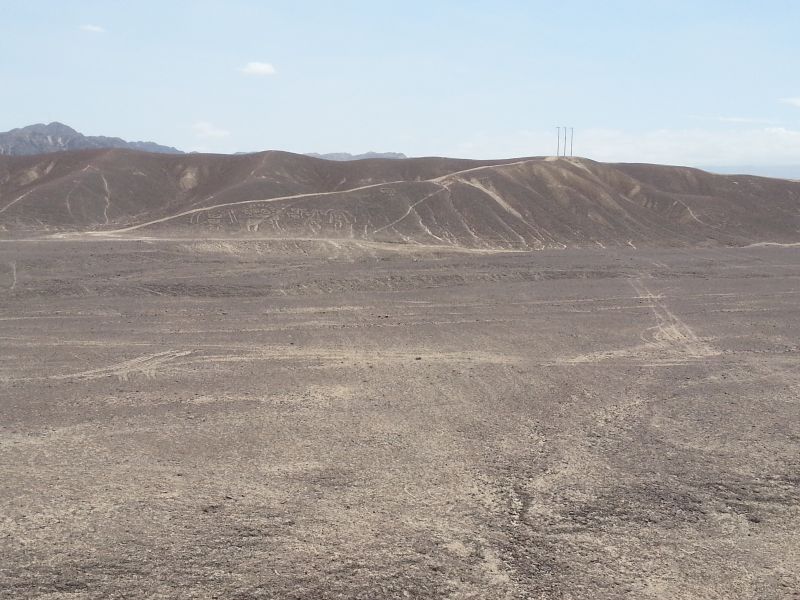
{"points": [[571, 139], [558, 145]]}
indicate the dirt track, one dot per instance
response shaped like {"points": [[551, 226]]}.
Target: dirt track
{"points": [[245, 419]]}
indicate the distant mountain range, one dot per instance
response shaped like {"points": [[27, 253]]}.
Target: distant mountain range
{"points": [[57, 137]]}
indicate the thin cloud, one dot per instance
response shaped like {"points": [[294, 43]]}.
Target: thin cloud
{"points": [[783, 132], [740, 120], [792, 101], [732, 146], [93, 28], [258, 69], [205, 130], [745, 120]]}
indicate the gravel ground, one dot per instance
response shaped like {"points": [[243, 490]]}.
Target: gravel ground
{"points": [[231, 419]]}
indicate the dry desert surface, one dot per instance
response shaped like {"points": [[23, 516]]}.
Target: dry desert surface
{"points": [[250, 418]]}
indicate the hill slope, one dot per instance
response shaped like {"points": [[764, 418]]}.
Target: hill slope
{"points": [[347, 156], [518, 204]]}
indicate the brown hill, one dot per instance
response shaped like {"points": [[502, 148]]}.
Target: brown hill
{"points": [[528, 203]]}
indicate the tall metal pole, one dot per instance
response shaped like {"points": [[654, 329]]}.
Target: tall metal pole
{"points": [[571, 139], [558, 146], [565, 140]]}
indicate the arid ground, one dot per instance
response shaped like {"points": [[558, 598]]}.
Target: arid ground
{"points": [[307, 419]]}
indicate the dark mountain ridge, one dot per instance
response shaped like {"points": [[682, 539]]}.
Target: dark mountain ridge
{"points": [[56, 137]]}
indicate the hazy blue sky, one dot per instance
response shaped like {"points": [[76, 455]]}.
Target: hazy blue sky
{"points": [[688, 82]]}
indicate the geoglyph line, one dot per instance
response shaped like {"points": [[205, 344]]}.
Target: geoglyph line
{"points": [[493, 195], [244, 202], [669, 342], [437, 180], [147, 365], [503, 204], [107, 198], [409, 211], [13, 202], [694, 216], [481, 168], [670, 331]]}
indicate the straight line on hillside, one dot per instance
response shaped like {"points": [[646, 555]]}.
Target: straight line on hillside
{"points": [[436, 180]]}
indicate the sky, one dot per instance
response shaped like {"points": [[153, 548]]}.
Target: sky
{"points": [[697, 83]]}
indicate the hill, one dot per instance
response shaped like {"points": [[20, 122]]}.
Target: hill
{"points": [[515, 204], [348, 156], [778, 171], [57, 137]]}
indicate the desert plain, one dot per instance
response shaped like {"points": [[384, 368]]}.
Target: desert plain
{"points": [[251, 418]]}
